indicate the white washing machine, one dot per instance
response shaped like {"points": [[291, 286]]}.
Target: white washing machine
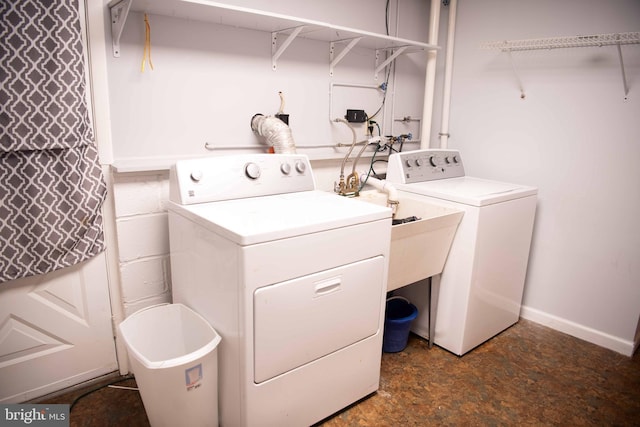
{"points": [[481, 285], [292, 278]]}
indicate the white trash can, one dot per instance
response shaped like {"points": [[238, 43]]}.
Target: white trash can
{"points": [[174, 357]]}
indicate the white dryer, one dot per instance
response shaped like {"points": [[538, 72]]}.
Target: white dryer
{"points": [[482, 283], [292, 278]]}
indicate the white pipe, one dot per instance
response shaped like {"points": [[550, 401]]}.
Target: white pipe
{"points": [[383, 186], [430, 75], [448, 72]]}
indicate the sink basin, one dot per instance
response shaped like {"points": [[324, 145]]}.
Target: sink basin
{"points": [[419, 249]]}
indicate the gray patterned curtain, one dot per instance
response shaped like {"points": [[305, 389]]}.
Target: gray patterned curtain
{"points": [[51, 183]]}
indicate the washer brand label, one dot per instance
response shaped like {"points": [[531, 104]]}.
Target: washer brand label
{"points": [[34, 415], [193, 377]]}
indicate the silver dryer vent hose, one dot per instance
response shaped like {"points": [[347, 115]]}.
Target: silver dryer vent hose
{"points": [[276, 132]]}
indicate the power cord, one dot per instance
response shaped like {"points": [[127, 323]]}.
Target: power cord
{"points": [[87, 393]]}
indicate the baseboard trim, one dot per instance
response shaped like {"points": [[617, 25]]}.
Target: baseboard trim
{"points": [[593, 336]]}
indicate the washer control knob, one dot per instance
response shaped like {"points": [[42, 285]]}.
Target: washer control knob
{"points": [[433, 160], [285, 168], [301, 166], [419, 162], [196, 175], [252, 170], [408, 163], [455, 159]]}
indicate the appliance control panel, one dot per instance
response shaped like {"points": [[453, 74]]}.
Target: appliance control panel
{"points": [[424, 165], [211, 179]]}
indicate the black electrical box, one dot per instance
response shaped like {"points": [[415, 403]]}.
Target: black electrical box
{"points": [[356, 116], [283, 117]]}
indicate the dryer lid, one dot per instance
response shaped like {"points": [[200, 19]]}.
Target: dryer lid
{"points": [[261, 219]]}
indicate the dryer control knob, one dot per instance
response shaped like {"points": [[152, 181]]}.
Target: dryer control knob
{"points": [[285, 168], [301, 167], [196, 175], [418, 162], [252, 170], [433, 160]]}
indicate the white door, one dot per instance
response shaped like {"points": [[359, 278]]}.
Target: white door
{"points": [[55, 331]]}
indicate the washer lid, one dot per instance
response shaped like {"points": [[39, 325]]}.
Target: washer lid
{"points": [[261, 219], [469, 191]]}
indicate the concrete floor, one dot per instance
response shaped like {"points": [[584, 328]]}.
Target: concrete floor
{"points": [[528, 375]]}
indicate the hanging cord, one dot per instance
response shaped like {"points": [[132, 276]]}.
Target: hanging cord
{"points": [[382, 87], [147, 45], [386, 17], [363, 183], [100, 387], [385, 84], [378, 149]]}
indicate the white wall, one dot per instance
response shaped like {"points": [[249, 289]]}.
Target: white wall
{"points": [[576, 138], [207, 82], [143, 239], [573, 136]]}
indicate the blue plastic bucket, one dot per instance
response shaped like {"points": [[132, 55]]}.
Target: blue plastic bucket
{"points": [[397, 323]]}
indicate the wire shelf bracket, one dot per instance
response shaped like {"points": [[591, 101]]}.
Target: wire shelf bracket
{"points": [[596, 40]]}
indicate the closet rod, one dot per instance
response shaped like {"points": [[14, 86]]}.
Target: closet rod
{"points": [[594, 40]]}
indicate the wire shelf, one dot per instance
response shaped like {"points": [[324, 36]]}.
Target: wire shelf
{"points": [[595, 40]]}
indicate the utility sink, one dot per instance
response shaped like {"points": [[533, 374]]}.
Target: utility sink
{"points": [[419, 249]]}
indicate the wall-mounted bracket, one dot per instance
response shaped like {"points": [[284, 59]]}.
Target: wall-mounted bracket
{"points": [[515, 73], [277, 51], [335, 59], [625, 86], [397, 52], [119, 13]]}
